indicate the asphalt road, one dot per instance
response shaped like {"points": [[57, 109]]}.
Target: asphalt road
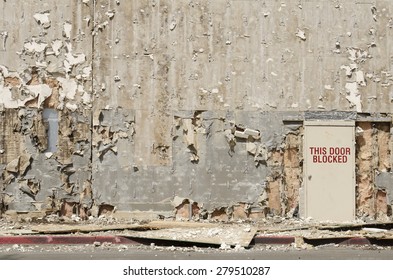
{"points": [[122, 252]]}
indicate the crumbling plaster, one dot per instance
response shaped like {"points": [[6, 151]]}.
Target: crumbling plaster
{"points": [[201, 100], [45, 64]]}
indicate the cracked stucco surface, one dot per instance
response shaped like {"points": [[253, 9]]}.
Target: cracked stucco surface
{"points": [[159, 99]]}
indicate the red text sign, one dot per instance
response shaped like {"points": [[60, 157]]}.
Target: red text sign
{"points": [[330, 154]]}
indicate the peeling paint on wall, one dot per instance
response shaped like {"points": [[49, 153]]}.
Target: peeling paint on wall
{"points": [[169, 99]]}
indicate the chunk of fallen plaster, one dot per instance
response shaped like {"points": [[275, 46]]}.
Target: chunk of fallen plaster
{"points": [[71, 106], [374, 229], [251, 148], [19, 164], [24, 162], [241, 134], [13, 166], [43, 19], [252, 132]]}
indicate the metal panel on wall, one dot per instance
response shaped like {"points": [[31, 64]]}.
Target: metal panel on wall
{"points": [[329, 171]]}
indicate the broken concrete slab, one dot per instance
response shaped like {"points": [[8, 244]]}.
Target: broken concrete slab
{"points": [[220, 234], [17, 232], [154, 225], [67, 228]]}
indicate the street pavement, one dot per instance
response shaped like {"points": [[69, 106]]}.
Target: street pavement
{"points": [[142, 252]]}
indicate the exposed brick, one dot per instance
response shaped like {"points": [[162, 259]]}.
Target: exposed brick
{"points": [[68, 209], [275, 196], [240, 212], [219, 215], [183, 210], [383, 144], [105, 209], [381, 203], [364, 178]]}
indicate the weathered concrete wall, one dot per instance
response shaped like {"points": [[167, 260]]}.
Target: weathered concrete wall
{"points": [[45, 59], [161, 99]]}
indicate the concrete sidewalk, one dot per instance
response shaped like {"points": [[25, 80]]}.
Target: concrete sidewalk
{"points": [[118, 239]]}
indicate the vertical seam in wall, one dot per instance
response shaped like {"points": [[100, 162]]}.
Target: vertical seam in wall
{"points": [[93, 11]]}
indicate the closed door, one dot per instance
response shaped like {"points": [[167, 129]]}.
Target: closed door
{"points": [[329, 170]]}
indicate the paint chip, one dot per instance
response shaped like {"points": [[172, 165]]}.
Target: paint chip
{"points": [[67, 27], [360, 78], [353, 95], [4, 35], [172, 25], [56, 46], [301, 34], [35, 46], [110, 14], [72, 60], [43, 19]]}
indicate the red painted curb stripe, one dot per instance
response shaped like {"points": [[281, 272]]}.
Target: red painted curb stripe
{"points": [[274, 239], [50, 239], [72, 239], [64, 239]]}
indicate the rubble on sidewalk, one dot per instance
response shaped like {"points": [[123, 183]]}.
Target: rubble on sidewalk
{"points": [[302, 234]]}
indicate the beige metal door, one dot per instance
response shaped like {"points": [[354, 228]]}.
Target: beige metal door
{"points": [[329, 170]]}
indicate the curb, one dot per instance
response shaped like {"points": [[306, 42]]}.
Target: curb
{"points": [[257, 240], [64, 239], [273, 240], [75, 239]]}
